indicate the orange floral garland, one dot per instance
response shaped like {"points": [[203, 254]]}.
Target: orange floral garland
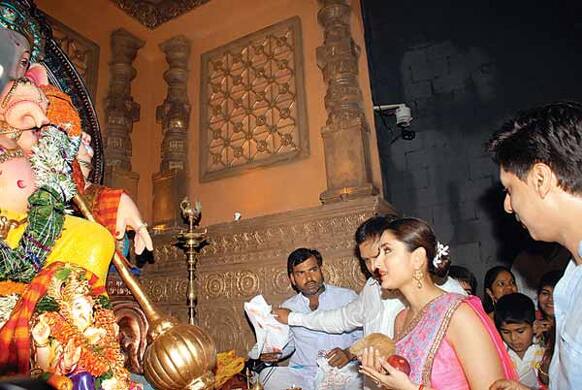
{"points": [[105, 319], [7, 288], [61, 111]]}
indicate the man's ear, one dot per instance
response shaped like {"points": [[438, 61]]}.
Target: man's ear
{"points": [[37, 74], [292, 279], [542, 178]]}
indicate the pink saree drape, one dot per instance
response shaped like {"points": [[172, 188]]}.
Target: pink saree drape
{"points": [[432, 359]]}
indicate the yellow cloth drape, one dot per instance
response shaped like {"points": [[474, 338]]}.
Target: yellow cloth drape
{"points": [[84, 243]]}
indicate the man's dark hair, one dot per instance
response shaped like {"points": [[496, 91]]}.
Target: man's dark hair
{"points": [[514, 308], [550, 279], [463, 274], [371, 228], [550, 134], [300, 255]]}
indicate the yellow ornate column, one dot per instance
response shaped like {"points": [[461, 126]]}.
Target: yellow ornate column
{"points": [[170, 185]]}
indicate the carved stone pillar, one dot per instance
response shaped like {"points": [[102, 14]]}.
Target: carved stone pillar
{"points": [[345, 135], [120, 112], [171, 183]]}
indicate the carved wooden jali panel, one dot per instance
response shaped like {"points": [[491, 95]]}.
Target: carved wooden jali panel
{"points": [[82, 52], [249, 257], [252, 102]]}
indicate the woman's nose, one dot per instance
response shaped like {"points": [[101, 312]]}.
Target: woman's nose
{"points": [[378, 264]]}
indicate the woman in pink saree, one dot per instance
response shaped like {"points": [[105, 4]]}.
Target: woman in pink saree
{"points": [[448, 340]]}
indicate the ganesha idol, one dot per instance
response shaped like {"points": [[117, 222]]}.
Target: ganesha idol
{"points": [[55, 318]]}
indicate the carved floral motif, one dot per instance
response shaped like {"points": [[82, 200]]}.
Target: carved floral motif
{"points": [[82, 52]]}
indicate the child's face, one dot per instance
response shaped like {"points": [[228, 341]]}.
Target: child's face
{"points": [[518, 336]]}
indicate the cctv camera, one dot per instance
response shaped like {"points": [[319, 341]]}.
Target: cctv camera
{"points": [[401, 111], [403, 116]]}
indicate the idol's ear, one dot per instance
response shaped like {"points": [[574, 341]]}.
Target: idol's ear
{"points": [[37, 74]]}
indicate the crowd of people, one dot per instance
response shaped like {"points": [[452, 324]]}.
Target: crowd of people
{"points": [[450, 337]]}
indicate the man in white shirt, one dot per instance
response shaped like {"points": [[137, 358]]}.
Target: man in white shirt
{"points": [[309, 348], [540, 166]]}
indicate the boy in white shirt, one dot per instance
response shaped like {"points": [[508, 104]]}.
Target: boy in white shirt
{"points": [[514, 318]]}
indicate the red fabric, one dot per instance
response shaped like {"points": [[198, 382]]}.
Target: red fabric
{"points": [[105, 207], [15, 334]]}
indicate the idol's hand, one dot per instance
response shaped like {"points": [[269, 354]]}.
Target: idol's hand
{"points": [[41, 332], [128, 216], [71, 356], [376, 367]]}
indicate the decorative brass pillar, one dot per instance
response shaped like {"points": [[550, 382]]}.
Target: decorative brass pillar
{"points": [[171, 183], [120, 112], [345, 135]]}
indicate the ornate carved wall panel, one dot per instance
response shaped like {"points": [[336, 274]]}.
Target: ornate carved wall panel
{"points": [[83, 53], [252, 102], [249, 257]]}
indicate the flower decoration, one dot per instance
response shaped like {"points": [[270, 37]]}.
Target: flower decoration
{"points": [[442, 250]]}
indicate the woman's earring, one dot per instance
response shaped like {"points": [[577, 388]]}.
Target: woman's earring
{"points": [[418, 276]]}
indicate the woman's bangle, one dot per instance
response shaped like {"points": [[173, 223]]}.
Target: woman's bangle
{"points": [[421, 387], [38, 345]]}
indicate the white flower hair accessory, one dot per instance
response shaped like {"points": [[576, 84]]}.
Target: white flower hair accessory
{"points": [[442, 250]]}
